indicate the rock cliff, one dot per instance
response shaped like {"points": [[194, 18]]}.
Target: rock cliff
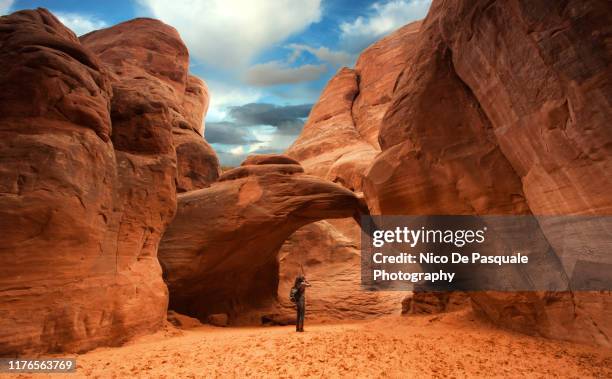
{"points": [[340, 138], [495, 108], [157, 106], [502, 111], [90, 134]]}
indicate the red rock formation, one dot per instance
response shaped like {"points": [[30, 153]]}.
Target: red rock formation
{"points": [[157, 106], [266, 159], [378, 69], [61, 287], [440, 155], [339, 142], [434, 302], [331, 261], [339, 139], [148, 68], [503, 111], [89, 166], [330, 146], [220, 252], [197, 162]]}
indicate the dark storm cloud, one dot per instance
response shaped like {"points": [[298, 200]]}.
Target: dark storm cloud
{"points": [[287, 119], [227, 133], [245, 122]]}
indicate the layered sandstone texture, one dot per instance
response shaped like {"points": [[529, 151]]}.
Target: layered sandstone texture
{"points": [[340, 138], [87, 186], [504, 108], [157, 106], [338, 142], [219, 255], [328, 254]]}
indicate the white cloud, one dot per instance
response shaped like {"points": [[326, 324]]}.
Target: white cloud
{"points": [[80, 23], [230, 33], [336, 58], [275, 72], [383, 18], [5, 6], [223, 96], [238, 150]]}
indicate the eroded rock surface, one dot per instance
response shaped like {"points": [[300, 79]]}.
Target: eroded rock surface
{"points": [[340, 138], [61, 284], [502, 111], [378, 69], [197, 162], [157, 108], [330, 146], [338, 142], [88, 165], [220, 252], [329, 256]]}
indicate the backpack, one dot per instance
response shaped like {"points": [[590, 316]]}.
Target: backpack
{"points": [[293, 294]]}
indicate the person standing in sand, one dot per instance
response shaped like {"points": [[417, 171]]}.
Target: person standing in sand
{"points": [[299, 295]]}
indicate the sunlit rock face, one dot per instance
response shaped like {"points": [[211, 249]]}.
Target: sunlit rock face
{"points": [[504, 110], [340, 138], [158, 107], [89, 167]]}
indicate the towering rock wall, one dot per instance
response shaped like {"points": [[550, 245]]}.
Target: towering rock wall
{"points": [[57, 197], [330, 146], [340, 138], [89, 166], [158, 108], [378, 68], [503, 111], [494, 108]]}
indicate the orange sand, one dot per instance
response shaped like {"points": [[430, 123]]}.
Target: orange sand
{"points": [[450, 345]]}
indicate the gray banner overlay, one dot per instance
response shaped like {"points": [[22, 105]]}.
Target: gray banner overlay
{"points": [[492, 253]]}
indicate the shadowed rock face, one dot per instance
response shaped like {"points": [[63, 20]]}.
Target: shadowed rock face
{"points": [[220, 252], [328, 252], [60, 285], [88, 166], [503, 110]]}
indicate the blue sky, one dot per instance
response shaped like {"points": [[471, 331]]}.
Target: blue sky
{"points": [[265, 61]]}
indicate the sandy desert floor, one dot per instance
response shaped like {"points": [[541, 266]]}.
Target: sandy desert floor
{"points": [[449, 345]]}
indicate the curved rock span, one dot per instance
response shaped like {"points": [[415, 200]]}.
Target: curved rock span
{"points": [[219, 255]]}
